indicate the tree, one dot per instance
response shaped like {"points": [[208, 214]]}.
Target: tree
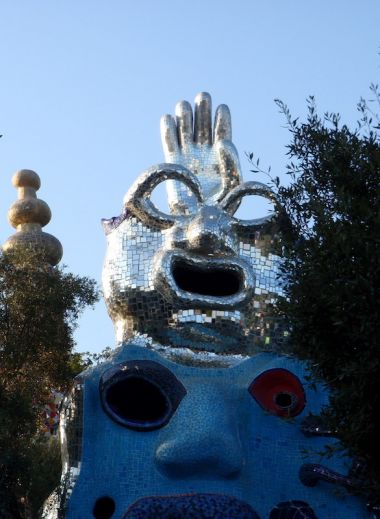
{"points": [[39, 309], [332, 268]]}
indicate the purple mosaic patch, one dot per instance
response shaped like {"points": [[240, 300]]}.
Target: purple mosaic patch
{"points": [[109, 224], [193, 506], [292, 510]]}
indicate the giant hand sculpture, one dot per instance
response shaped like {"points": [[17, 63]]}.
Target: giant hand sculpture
{"points": [[209, 153]]}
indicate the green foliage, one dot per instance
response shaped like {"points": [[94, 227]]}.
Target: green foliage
{"points": [[332, 267], [83, 360], [45, 470], [39, 308]]}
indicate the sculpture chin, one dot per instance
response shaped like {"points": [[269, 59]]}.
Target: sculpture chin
{"points": [[223, 336], [207, 329]]}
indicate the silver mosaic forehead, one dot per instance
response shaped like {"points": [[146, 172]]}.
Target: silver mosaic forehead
{"points": [[197, 278]]}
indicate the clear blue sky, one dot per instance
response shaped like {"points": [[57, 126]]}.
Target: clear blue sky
{"points": [[83, 85]]}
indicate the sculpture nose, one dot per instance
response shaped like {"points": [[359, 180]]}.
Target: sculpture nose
{"points": [[210, 232], [202, 439]]}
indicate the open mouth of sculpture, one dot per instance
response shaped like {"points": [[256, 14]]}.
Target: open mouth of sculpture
{"points": [[216, 506], [217, 283], [206, 280]]}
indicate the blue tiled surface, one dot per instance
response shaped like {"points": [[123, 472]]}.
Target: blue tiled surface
{"points": [[219, 440]]}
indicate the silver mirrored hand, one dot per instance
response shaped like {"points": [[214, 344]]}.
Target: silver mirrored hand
{"points": [[203, 148]]}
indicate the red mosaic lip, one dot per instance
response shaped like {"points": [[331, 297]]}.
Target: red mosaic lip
{"points": [[190, 506]]}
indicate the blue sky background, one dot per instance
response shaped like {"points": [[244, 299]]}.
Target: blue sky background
{"points": [[83, 84]]}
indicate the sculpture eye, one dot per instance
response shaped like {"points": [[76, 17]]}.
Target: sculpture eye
{"points": [[234, 197], [141, 395], [137, 200], [279, 392]]}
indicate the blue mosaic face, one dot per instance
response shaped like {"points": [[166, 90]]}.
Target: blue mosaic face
{"points": [[160, 438]]}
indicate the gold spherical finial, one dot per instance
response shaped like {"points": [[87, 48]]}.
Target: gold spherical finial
{"points": [[28, 215], [28, 209], [26, 178]]}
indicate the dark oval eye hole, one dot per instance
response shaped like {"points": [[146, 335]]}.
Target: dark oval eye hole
{"points": [[141, 395], [138, 400], [279, 392]]}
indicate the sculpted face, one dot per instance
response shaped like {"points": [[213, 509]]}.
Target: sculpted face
{"points": [[148, 438], [198, 277]]}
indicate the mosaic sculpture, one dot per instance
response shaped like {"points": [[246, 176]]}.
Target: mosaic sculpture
{"points": [[188, 418], [154, 260]]}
